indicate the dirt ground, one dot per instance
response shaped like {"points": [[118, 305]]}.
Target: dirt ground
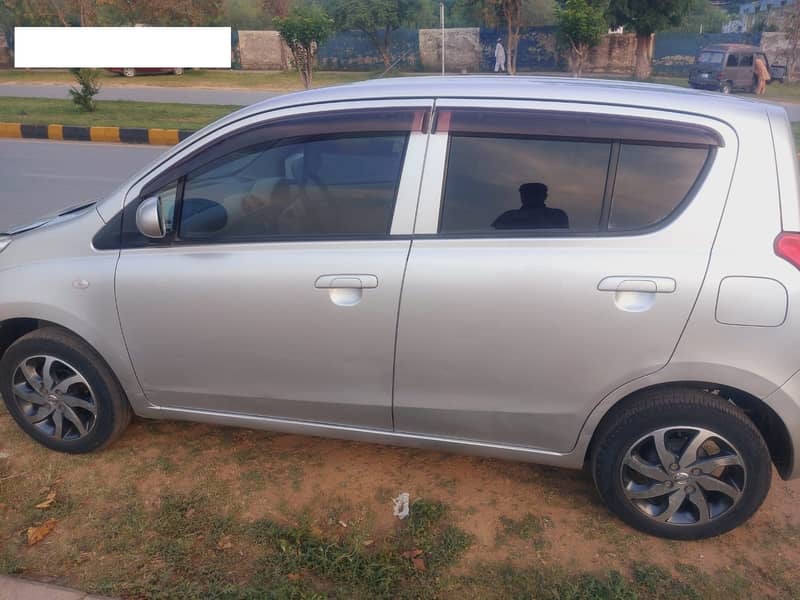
{"points": [[111, 527]]}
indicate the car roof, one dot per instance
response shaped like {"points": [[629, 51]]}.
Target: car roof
{"points": [[728, 47], [555, 89]]}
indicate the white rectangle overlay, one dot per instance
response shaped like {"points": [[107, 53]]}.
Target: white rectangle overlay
{"points": [[109, 47]]}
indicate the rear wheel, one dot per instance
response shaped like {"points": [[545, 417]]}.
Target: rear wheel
{"points": [[681, 464], [726, 87], [129, 72], [61, 393]]}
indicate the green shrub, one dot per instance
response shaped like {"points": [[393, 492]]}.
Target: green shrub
{"points": [[87, 89]]}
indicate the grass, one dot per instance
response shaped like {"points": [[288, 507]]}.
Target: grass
{"points": [[192, 511], [275, 81], [796, 130], [121, 113]]}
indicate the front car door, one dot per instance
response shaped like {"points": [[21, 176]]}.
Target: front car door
{"points": [[558, 253], [745, 73], [276, 291]]}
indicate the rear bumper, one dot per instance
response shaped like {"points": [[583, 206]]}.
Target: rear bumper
{"points": [[785, 401]]}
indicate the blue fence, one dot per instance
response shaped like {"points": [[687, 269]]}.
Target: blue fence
{"points": [[352, 51], [537, 49]]}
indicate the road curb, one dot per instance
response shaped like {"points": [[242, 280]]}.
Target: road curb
{"points": [[13, 588], [124, 135]]}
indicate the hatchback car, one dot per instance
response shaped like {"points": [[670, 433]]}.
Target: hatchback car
{"points": [[133, 72], [729, 67], [555, 271]]}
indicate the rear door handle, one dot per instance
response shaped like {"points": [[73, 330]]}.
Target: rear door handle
{"points": [[648, 285], [352, 282]]}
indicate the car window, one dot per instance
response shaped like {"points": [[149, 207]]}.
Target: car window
{"points": [[711, 58], [651, 182], [515, 183], [746, 60], [333, 185], [733, 61]]}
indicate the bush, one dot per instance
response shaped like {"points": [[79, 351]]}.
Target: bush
{"points": [[87, 89]]}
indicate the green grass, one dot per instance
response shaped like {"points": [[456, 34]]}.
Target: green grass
{"points": [[279, 81], [796, 130], [121, 113]]}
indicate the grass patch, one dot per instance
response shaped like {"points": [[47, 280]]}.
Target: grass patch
{"points": [[276, 81], [796, 130], [530, 528], [120, 113]]}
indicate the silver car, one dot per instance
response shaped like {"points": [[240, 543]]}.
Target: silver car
{"points": [[555, 271]]}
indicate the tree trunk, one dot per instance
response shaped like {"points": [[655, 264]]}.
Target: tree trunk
{"points": [[644, 58], [386, 51]]}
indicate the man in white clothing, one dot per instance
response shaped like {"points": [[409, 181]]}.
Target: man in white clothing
{"points": [[499, 57]]}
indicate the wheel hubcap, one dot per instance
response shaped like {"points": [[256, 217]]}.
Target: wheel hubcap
{"points": [[683, 475], [54, 397]]}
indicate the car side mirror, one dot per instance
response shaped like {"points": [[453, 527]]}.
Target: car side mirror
{"points": [[149, 219]]}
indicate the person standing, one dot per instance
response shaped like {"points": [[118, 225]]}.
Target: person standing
{"points": [[499, 57], [762, 75]]}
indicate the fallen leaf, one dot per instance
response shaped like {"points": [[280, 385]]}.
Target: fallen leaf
{"points": [[294, 577], [224, 542], [37, 534], [419, 564], [411, 553], [343, 524], [48, 502], [368, 542]]}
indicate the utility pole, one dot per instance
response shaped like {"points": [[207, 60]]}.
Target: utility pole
{"points": [[441, 19]]}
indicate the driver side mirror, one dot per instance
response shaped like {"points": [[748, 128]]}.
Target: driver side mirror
{"points": [[150, 219]]}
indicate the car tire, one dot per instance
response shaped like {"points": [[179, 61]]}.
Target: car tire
{"points": [[686, 499], [726, 88], [129, 72], [178, 71], [62, 393]]}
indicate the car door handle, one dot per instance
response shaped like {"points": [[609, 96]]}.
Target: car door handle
{"points": [[352, 282], [648, 285]]}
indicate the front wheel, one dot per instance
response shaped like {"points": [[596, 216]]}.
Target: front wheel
{"points": [[129, 72], [61, 393], [726, 88], [681, 464]]}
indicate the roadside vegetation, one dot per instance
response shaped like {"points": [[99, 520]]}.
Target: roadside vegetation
{"points": [[193, 511], [116, 113]]}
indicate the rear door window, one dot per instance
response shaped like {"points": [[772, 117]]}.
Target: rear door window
{"points": [[733, 61], [746, 60]]}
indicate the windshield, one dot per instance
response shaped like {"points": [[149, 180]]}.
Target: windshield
{"points": [[712, 58]]}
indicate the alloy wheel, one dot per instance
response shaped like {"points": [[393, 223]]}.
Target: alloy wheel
{"points": [[683, 475], [54, 397]]}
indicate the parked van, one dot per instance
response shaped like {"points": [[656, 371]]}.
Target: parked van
{"points": [[567, 272], [729, 68]]}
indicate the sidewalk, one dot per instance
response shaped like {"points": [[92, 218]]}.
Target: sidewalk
{"points": [[12, 588]]}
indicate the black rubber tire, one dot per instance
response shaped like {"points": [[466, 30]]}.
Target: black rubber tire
{"points": [[726, 88], [113, 410], [656, 409]]}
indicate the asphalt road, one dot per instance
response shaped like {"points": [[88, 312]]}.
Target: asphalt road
{"points": [[143, 94], [39, 177]]}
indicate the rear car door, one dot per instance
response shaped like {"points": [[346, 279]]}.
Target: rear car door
{"points": [[558, 253], [276, 291], [745, 74]]}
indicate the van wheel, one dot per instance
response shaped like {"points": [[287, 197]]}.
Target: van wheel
{"points": [[129, 72], [726, 88], [61, 393], [681, 464]]}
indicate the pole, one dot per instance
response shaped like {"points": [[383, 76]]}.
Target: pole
{"points": [[441, 19]]}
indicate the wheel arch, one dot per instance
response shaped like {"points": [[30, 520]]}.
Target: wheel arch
{"points": [[771, 426]]}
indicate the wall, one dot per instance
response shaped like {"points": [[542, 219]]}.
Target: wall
{"points": [[778, 51], [674, 52], [352, 51], [5, 55], [263, 50], [615, 54], [462, 49]]}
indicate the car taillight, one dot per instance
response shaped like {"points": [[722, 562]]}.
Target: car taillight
{"points": [[719, 76], [787, 246]]}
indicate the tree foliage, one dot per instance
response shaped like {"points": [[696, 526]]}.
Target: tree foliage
{"points": [[88, 88], [377, 19], [646, 17], [303, 30], [581, 27]]}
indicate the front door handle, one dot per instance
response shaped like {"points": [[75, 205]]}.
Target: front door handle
{"points": [[351, 282], [634, 283]]}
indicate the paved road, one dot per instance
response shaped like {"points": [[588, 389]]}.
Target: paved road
{"points": [[40, 177], [143, 94]]}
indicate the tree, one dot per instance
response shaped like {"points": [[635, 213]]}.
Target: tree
{"points": [[303, 30], [508, 12], [88, 88], [377, 19], [581, 27], [791, 27], [646, 17]]}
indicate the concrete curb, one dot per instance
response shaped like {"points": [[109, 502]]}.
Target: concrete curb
{"points": [[13, 588], [125, 135]]}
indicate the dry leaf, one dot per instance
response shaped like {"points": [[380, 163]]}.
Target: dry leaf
{"points": [[294, 576], [37, 534], [224, 542], [48, 502], [419, 564], [369, 542], [411, 553], [343, 524]]}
